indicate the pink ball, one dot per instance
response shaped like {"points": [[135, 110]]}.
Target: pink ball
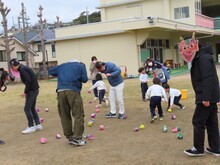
{"points": [[41, 120], [97, 106], [97, 110], [43, 140], [46, 109], [93, 115], [125, 117], [173, 117], [38, 109], [58, 136], [90, 137], [101, 127], [136, 129]]}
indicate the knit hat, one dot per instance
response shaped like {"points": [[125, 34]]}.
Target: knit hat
{"points": [[14, 62]]}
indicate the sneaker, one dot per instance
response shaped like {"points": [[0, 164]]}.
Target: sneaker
{"points": [[121, 116], [153, 118], [38, 127], [106, 103], [95, 98], [110, 115], [182, 108], [144, 100], [209, 151], [193, 152], [79, 142], [29, 130], [2, 142], [161, 118]]}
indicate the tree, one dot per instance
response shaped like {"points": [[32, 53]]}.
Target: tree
{"points": [[82, 19], [42, 23], [7, 39]]}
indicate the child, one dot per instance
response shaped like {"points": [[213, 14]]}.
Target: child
{"points": [[175, 96], [100, 85], [143, 79], [155, 92]]}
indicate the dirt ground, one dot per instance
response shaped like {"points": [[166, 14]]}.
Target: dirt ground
{"points": [[118, 144]]}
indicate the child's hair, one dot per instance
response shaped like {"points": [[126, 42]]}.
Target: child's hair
{"points": [[98, 77], [156, 80], [93, 58], [166, 86], [140, 69]]}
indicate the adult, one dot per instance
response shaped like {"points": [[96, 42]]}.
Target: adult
{"points": [[158, 70], [113, 74], [93, 73], [205, 83], [30, 94], [70, 76]]}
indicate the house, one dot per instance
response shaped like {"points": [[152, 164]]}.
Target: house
{"points": [[133, 30], [34, 43]]}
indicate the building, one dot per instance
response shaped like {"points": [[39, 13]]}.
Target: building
{"points": [[133, 30], [35, 48]]}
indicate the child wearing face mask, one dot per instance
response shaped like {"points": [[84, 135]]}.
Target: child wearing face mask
{"points": [[158, 70]]}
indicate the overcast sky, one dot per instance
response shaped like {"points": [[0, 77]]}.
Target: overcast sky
{"points": [[67, 10]]}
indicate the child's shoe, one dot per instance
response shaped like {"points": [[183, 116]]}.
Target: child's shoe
{"points": [[182, 108], [153, 118], [161, 118]]}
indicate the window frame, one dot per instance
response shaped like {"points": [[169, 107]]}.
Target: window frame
{"points": [[181, 14]]}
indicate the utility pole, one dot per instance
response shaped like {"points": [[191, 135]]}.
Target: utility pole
{"points": [[23, 13], [42, 23], [4, 12], [87, 15]]}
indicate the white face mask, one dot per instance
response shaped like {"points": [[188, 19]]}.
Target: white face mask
{"points": [[94, 61], [150, 64]]}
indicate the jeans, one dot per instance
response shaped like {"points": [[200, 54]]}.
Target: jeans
{"points": [[116, 91], [30, 109], [95, 91], [155, 101], [206, 118], [101, 96]]}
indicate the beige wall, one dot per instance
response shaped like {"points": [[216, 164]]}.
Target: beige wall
{"points": [[120, 49]]}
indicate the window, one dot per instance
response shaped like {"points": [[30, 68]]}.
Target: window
{"points": [[21, 56], [198, 7], [39, 48], [3, 56], [53, 47], [181, 12]]}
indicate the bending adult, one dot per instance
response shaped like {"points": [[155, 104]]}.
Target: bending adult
{"points": [[113, 74], [70, 76]]}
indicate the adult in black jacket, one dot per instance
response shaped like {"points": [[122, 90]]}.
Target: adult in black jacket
{"points": [[31, 92], [205, 83]]}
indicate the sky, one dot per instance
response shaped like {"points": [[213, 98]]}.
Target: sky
{"points": [[67, 10]]}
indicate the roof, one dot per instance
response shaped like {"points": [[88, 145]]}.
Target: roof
{"points": [[33, 36]]}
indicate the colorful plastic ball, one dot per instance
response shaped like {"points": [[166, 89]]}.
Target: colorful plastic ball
{"points": [[90, 137], [173, 117], [93, 115], [169, 110], [58, 136], [46, 109], [89, 124], [142, 127], [97, 110], [43, 140], [136, 129], [101, 127], [41, 120]]}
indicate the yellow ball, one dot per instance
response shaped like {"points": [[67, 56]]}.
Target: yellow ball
{"points": [[89, 124], [169, 110], [141, 126]]}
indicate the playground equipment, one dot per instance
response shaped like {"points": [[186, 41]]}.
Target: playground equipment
{"points": [[123, 71]]}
